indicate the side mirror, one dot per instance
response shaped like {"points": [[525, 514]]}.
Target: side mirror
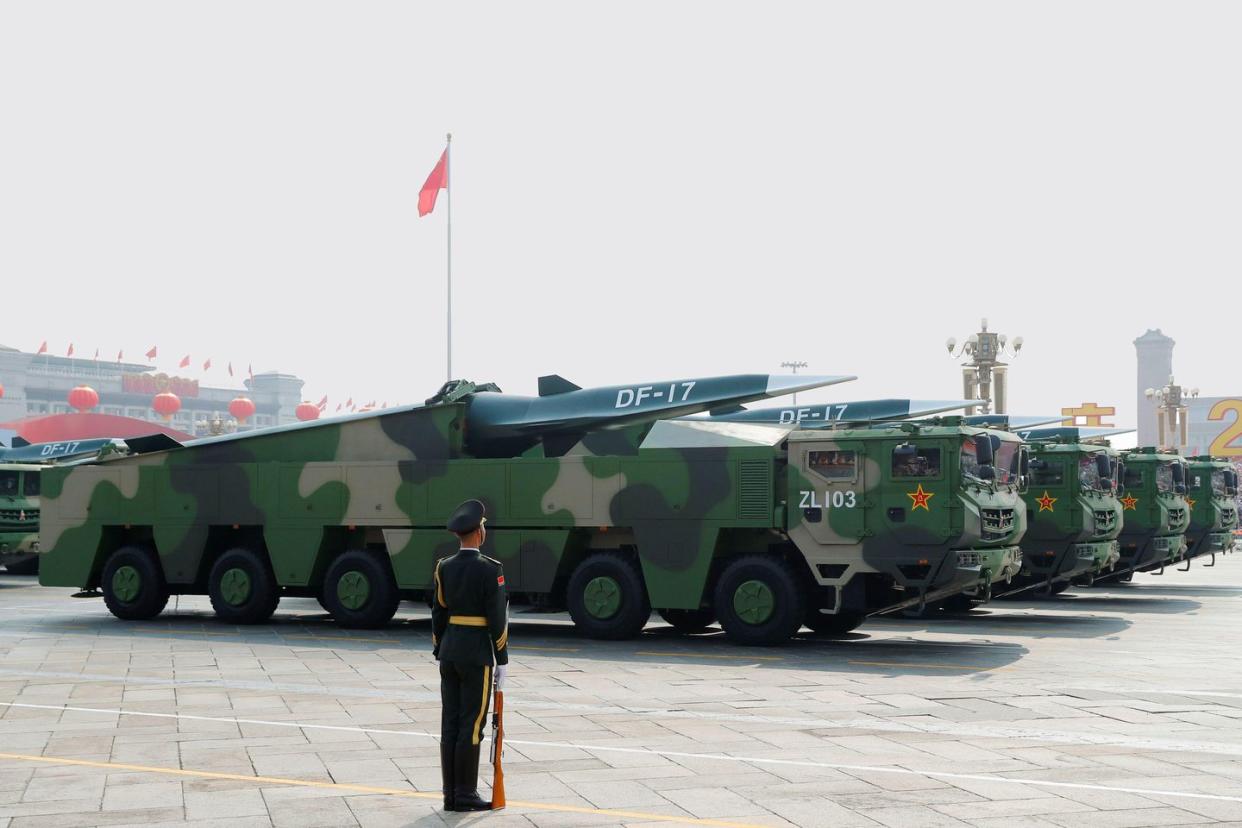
{"points": [[1106, 484], [1024, 462], [987, 473], [1102, 466], [1179, 475], [984, 455], [905, 451], [1180, 488]]}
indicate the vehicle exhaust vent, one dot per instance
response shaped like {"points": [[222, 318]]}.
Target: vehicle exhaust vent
{"points": [[755, 484]]}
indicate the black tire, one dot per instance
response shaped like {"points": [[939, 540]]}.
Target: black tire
{"points": [[30, 566], [360, 591], [830, 625], [958, 603], [775, 598], [242, 587], [1059, 587], [133, 584], [607, 598], [688, 620]]}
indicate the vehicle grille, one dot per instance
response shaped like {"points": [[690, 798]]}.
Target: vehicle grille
{"points": [[1105, 521], [19, 520], [1228, 516], [997, 523], [1176, 515]]}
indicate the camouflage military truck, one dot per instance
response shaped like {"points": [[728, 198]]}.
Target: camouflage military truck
{"points": [[1212, 489], [1154, 511], [1073, 512], [19, 517], [607, 513]]}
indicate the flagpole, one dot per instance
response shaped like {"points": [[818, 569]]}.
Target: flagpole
{"points": [[448, 170]]}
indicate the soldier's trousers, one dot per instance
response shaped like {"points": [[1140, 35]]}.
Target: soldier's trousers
{"points": [[465, 694]]}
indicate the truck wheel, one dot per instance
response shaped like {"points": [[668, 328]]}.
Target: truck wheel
{"points": [[607, 597], [30, 566], [687, 620], [760, 601], [839, 624], [359, 591], [1059, 587], [133, 585], [242, 588]]}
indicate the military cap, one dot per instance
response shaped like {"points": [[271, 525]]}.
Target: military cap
{"points": [[467, 517]]}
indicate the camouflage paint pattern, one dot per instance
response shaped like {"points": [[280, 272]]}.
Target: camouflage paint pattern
{"points": [[1213, 506], [1073, 521], [1155, 516]]}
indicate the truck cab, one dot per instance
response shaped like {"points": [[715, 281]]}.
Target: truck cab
{"points": [[903, 515], [1154, 510], [1073, 514], [1211, 493], [19, 517]]}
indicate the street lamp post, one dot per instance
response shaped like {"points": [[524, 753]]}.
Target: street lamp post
{"points": [[1171, 414], [985, 377], [794, 366]]}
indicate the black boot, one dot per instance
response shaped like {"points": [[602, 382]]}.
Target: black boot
{"points": [[466, 779], [446, 774]]}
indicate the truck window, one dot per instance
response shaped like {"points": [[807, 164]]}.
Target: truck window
{"points": [[30, 482], [1164, 477], [1047, 473], [1088, 473], [8, 483], [925, 462], [833, 465], [1218, 483]]}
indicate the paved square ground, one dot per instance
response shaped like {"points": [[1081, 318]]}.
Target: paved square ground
{"points": [[1110, 707]]}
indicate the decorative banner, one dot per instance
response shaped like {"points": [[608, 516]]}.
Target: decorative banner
{"points": [[1092, 414], [158, 383], [1215, 426]]}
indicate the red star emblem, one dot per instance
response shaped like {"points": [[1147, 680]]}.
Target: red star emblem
{"points": [[1190, 503], [1045, 502], [918, 499], [1128, 503]]}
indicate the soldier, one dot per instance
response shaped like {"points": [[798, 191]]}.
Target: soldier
{"points": [[470, 632]]}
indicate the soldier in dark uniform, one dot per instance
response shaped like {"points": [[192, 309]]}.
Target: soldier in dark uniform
{"points": [[470, 633]]}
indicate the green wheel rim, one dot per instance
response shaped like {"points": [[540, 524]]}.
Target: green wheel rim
{"points": [[353, 589], [235, 587], [602, 597], [754, 602], [126, 583]]}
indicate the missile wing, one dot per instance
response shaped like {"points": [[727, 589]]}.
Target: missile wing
{"points": [[1069, 434], [504, 424], [821, 415], [1011, 422]]}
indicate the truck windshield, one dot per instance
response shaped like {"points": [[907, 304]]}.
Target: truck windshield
{"points": [[1164, 477], [30, 485], [1218, 483], [1006, 461], [8, 483], [970, 463], [1089, 473]]}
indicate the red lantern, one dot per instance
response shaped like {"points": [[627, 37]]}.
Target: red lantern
{"points": [[307, 411], [166, 404], [1, 392], [241, 408], [83, 398]]}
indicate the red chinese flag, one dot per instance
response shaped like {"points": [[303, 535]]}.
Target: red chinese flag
{"points": [[119, 355], [185, 362], [323, 403], [42, 348], [207, 364], [230, 369], [152, 353], [437, 181], [69, 353]]}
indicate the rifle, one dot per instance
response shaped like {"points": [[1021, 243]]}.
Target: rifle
{"points": [[498, 746]]}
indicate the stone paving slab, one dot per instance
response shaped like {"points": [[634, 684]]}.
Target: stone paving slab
{"points": [[1120, 699]]}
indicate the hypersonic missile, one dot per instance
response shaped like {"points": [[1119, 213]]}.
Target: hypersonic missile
{"points": [[822, 415], [23, 452], [504, 424]]}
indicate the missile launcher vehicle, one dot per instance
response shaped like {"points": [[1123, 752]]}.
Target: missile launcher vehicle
{"points": [[19, 517], [599, 501], [1212, 490], [1154, 511]]}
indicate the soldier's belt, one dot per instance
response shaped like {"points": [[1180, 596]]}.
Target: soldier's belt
{"points": [[468, 620]]}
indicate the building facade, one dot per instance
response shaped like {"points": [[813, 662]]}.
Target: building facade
{"points": [[1155, 365], [39, 384]]}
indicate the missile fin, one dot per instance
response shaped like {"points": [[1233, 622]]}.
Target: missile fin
{"points": [[556, 384]]}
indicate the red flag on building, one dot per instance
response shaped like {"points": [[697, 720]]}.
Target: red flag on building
{"points": [[185, 362], [69, 353], [119, 354], [42, 348], [437, 181], [97, 355], [250, 369], [151, 354], [207, 364], [338, 406], [350, 402], [323, 403]]}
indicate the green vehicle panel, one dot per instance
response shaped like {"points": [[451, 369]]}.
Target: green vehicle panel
{"points": [[19, 516], [1212, 490], [1154, 510], [695, 519]]}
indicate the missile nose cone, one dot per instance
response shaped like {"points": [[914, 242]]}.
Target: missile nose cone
{"points": [[779, 384]]}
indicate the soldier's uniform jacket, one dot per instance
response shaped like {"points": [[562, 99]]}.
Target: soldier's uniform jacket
{"points": [[469, 616]]}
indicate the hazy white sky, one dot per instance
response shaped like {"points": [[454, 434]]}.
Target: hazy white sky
{"points": [[641, 190]]}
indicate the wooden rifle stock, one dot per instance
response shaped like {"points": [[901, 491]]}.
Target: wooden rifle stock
{"points": [[498, 746]]}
